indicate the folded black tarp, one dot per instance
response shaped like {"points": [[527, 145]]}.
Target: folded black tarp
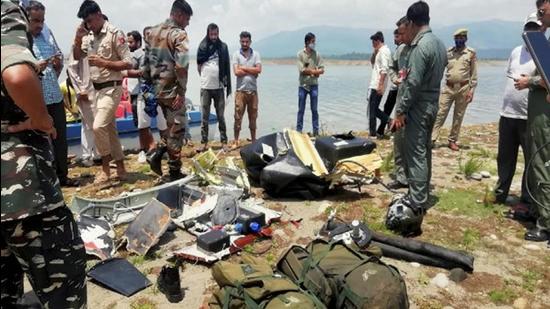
{"points": [[287, 176], [259, 154]]}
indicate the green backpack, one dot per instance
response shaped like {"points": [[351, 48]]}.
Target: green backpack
{"points": [[342, 277], [252, 284]]}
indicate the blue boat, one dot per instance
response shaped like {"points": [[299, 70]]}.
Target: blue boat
{"points": [[125, 125]]}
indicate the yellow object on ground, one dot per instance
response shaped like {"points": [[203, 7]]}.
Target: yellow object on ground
{"points": [[305, 150]]}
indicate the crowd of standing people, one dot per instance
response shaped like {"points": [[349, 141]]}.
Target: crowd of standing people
{"points": [[39, 234]]}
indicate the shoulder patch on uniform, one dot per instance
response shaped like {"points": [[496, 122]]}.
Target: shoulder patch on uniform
{"points": [[121, 40]]}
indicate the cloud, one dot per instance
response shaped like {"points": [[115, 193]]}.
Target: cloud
{"points": [[265, 17]]}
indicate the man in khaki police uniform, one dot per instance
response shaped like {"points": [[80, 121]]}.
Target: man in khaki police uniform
{"points": [[108, 55], [461, 81]]}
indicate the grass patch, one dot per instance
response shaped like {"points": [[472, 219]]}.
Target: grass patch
{"points": [[471, 166], [502, 297], [248, 249], [143, 303], [387, 163], [482, 153], [374, 218], [270, 258], [144, 169], [137, 260], [464, 202], [470, 238], [530, 279]]}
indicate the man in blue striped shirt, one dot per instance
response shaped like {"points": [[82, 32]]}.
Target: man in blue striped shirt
{"points": [[51, 63]]}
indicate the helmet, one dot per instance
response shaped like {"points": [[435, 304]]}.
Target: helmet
{"points": [[404, 217]]}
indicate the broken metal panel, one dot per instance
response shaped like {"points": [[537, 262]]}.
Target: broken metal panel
{"points": [[145, 231], [120, 276], [219, 172], [306, 152], [124, 208], [98, 236]]}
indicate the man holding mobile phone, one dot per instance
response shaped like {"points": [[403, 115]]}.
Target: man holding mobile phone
{"points": [[108, 55], [513, 125], [310, 67], [50, 61], [538, 132]]}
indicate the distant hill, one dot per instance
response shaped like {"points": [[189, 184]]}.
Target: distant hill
{"points": [[493, 39]]}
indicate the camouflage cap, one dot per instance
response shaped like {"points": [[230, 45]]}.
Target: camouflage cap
{"points": [[461, 31]]}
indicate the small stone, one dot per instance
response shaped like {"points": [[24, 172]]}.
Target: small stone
{"points": [[457, 275], [520, 303], [78, 189], [448, 307], [493, 237], [476, 176], [440, 280], [485, 174], [415, 264], [531, 247]]}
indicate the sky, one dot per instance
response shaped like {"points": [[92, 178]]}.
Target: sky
{"points": [[266, 17]]}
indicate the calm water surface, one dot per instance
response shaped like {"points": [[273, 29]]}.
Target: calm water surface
{"points": [[342, 100]]}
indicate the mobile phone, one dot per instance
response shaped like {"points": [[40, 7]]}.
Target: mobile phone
{"points": [[539, 48]]}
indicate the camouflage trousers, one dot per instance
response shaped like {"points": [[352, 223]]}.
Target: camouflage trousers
{"points": [[48, 248], [176, 122]]}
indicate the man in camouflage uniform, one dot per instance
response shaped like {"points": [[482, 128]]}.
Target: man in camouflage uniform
{"points": [[165, 67], [461, 82], [39, 234], [418, 107]]}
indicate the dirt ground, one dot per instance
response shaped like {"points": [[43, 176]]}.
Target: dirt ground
{"points": [[509, 272]]}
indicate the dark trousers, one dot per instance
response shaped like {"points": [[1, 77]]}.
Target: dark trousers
{"points": [[207, 96], [512, 134], [60, 148], [388, 108], [375, 112], [133, 103]]}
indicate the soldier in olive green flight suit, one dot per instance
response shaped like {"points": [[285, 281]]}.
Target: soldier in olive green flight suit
{"points": [[397, 70], [538, 142], [460, 84], [419, 106]]}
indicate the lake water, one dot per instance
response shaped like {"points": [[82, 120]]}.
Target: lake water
{"points": [[342, 100]]}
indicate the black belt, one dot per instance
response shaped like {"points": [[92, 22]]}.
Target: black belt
{"points": [[112, 83]]}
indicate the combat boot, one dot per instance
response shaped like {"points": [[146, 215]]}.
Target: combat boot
{"points": [[176, 175], [155, 159], [169, 283]]}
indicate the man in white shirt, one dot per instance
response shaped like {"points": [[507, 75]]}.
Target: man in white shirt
{"points": [[378, 82], [513, 125]]}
